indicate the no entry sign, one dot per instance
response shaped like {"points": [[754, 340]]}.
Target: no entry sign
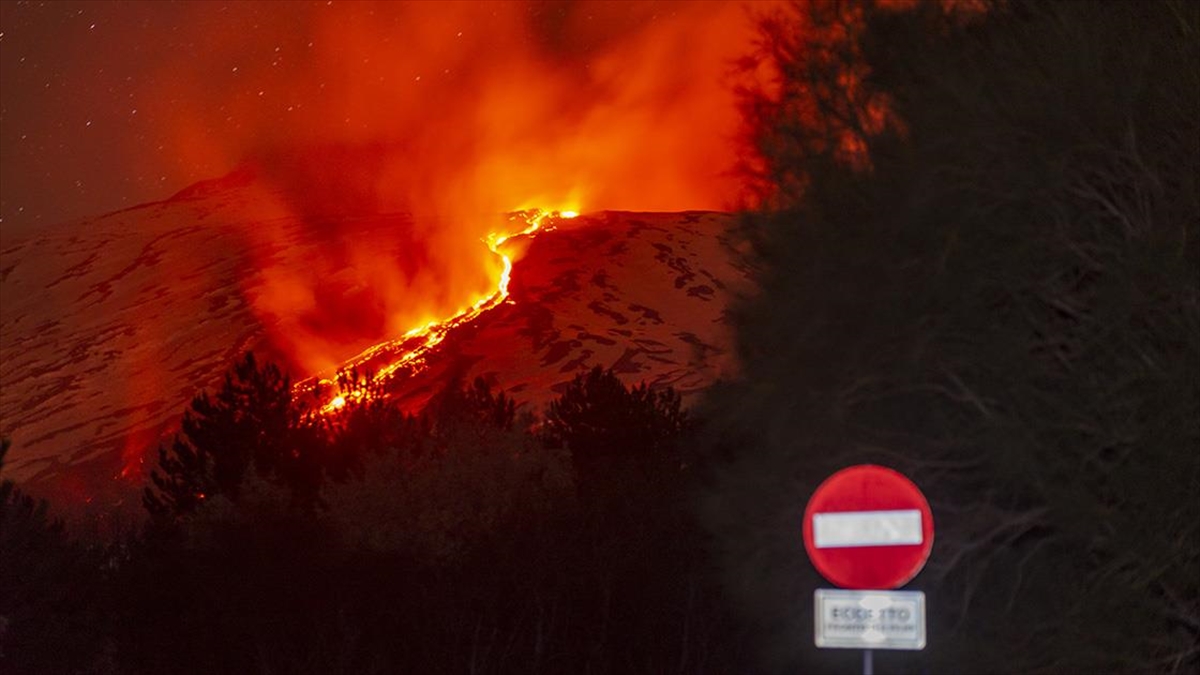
{"points": [[868, 527]]}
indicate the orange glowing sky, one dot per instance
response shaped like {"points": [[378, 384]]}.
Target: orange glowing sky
{"points": [[482, 106], [454, 112]]}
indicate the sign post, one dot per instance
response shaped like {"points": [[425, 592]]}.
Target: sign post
{"points": [[868, 529]]}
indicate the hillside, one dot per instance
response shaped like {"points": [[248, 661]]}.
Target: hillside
{"points": [[110, 325]]}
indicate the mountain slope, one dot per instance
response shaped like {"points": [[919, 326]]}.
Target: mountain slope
{"points": [[110, 325], [643, 293]]}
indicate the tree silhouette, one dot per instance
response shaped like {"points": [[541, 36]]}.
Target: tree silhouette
{"points": [[52, 589], [368, 422], [453, 480], [1003, 303], [251, 422], [606, 425], [476, 402]]}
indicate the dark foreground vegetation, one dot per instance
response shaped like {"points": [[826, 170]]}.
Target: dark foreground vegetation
{"points": [[978, 264], [993, 287], [464, 539]]}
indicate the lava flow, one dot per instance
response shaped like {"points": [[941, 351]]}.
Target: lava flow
{"points": [[383, 360]]}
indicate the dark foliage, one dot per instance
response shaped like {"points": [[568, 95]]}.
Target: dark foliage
{"points": [[607, 426], [366, 423], [1003, 303], [251, 422], [475, 402], [803, 101], [455, 543], [53, 603]]}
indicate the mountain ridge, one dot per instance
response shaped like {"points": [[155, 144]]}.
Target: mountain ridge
{"points": [[108, 331]]}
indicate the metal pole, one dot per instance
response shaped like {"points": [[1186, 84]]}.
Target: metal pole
{"points": [[868, 662]]}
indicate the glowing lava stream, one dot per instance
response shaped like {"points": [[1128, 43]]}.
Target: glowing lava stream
{"points": [[432, 333]]}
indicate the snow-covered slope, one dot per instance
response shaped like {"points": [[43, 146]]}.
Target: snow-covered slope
{"points": [[644, 293], [109, 326]]}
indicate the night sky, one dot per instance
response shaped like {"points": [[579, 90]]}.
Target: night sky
{"points": [[82, 126], [107, 105]]}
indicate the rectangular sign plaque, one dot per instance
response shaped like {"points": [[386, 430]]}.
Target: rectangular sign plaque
{"points": [[867, 528], [869, 619]]}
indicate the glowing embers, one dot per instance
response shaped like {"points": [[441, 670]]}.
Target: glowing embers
{"points": [[408, 352]]}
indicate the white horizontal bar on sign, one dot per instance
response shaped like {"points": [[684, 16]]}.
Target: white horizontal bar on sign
{"points": [[867, 528]]}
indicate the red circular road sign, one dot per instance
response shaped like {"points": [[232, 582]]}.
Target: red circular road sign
{"points": [[868, 527]]}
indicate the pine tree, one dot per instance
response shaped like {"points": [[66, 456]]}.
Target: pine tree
{"points": [[605, 425], [251, 422]]}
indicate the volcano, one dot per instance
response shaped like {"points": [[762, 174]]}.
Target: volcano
{"points": [[111, 324]]}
